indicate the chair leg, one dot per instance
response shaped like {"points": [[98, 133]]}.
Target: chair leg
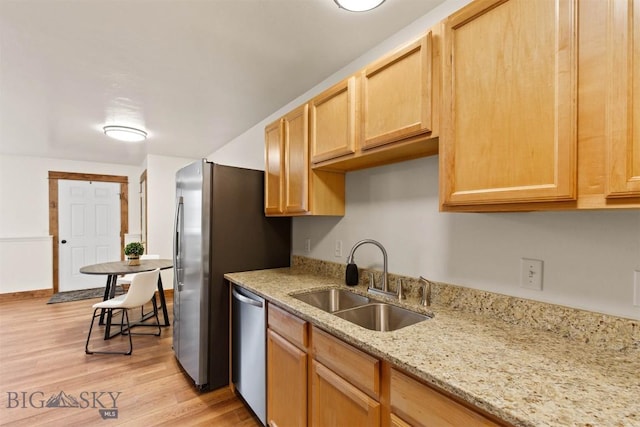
{"points": [[155, 305], [93, 317], [155, 314], [126, 313]]}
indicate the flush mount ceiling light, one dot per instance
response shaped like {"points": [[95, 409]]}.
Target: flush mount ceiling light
{"points": [[358, 5], [125, 133]]}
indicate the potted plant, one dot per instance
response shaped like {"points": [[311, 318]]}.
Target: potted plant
{"points": [[133, 251]]}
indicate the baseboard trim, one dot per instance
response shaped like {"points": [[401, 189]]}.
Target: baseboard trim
{"points": [[40, 293], [17, 296]]}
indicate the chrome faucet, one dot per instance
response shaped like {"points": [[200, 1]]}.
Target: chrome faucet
{"points": [[385, 276], [425, 298]]}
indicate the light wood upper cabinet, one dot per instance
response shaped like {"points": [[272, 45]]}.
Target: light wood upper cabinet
{"points": [[273, 168], [396, 95], [509, 103], [385, 113], [623, 115], [296, 160], [287, 157], [549, 119], [333, 122], [294, 189]]}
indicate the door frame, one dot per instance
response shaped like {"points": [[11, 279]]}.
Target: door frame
{"points": [[143, 210], [54, 176]]}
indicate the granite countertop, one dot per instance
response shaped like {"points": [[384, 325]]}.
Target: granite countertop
{"points": [[524, 376]]}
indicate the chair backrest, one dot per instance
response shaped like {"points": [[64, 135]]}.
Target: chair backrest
{"points": [[149, 256], [142, 288]]}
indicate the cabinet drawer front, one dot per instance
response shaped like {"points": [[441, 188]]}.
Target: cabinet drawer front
{"points": [[289, 326], [421, 405], [357, 367]]}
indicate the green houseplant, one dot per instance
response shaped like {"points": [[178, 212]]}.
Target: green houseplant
{"points": [[133, 251]]}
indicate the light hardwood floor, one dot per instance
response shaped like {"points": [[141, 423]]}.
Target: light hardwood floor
{"points": [[42, 354]]}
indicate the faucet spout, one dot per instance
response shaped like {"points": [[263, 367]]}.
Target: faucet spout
{"points": [[385, 280]]}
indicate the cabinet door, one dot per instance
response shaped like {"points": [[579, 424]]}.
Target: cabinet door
{"points": [[509, 127], [273, 173], [333, 122], [396, 95], [335, 402], [623, 116], [286, 383], [296, 160]]}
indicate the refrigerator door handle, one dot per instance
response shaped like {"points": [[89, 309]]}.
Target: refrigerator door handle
{"points": [[177, 247], [246, 300]]}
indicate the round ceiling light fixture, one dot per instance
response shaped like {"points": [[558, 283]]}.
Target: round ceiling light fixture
{"points": [[358, 5], [125, 133]]}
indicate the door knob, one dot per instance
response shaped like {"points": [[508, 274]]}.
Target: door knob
{"points": [[63, 242]]}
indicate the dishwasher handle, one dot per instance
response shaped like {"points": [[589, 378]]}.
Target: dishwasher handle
{"points": [[246, 300]]}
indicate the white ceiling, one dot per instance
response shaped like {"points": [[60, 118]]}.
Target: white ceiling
{"points": [[193, 73]]}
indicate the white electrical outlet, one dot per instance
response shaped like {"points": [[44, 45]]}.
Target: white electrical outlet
{"points": [[636, 288], [531, 274], [338, 249], [307, 245]]}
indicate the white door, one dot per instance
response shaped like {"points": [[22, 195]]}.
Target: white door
{"points": [[88, 229]]}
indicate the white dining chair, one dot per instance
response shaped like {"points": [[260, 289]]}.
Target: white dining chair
{"points": [[125, 281], [141, 291]]}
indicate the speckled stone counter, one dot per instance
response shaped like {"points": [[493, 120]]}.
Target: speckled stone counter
{"points": [[525, 376]]}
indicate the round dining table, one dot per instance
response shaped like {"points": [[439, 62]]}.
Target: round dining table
{"points": [[117, 268]]}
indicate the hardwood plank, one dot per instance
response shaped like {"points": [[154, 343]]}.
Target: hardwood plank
{"points": [[42, 354]]}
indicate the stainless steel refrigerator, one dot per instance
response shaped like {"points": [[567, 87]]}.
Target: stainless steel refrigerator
{"points": [[220, 227]]}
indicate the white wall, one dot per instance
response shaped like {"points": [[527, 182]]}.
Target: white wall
{"points": [[24, 216], [161, 199], [589, 257], [247, 150]]}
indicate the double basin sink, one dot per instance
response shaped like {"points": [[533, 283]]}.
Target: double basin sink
{"points": [[360, 310]]}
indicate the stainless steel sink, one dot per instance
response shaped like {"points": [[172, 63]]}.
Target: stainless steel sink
{"points": [[381, 317], [332, 300], [368, 313]]}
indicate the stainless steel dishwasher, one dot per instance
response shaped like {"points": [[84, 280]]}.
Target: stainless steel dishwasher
{"points": [[249, 325]]}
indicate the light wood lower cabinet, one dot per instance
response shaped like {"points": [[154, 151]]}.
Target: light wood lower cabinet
{"points": [[359, 368], [287, 383], [287, 364], [416, 404], [316, 379], [336, 402]]}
